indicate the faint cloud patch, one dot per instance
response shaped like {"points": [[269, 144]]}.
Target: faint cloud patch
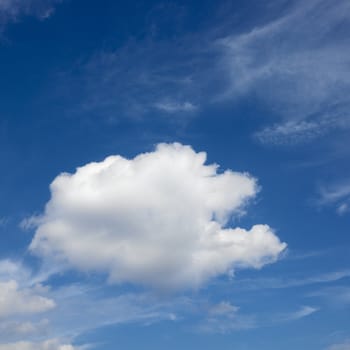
{"points": [[225, 318], [13, 330], [336, 195], [337, 295], [14, 10], [173, 107], [296, 64], [343, 208], [278, 283], [3, 222], [136, 80], [290, 132], [301, 313], [340, 346]]}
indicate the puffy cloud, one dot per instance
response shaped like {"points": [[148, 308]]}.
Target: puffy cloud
{"points": [[46, 345], [159, 219], [15, 301]]}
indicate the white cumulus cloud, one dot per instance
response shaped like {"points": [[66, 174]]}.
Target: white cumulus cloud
{"points": [[159, 219], [46, 345], [16, 301]]}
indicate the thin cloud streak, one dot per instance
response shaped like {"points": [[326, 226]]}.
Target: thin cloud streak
{"points": [[279, 283]]}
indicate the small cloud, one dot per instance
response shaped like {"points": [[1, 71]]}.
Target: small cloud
{"points": [[337, 194], [223, 308], [343, 209], [225, 318], [174, 107], [334, 193], [291, 132], [13, 10], [301, 313]]}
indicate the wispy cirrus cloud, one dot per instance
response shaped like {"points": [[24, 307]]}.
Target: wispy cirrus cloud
{"points": [[345, 345], [297, 65], [336, 195], [338, 295], [294, 63], [36, 312], [278, 283], [137, 80], [304, 311], [294, 132], [225, 317], [13, 10]]}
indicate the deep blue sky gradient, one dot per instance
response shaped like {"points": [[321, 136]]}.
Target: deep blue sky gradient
{"points": [[49, 77]]}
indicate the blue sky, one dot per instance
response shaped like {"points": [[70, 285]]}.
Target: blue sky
{"points": [[175, 174]]}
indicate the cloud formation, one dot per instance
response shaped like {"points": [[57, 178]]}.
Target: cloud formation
{"points": [[297, 65], [225, 318], [340, 346], [336, 194], [293, 62], [15, 330], [14, 301], [12, 10], [46, 345], [301, 313], [173, 107], [159, 219]]}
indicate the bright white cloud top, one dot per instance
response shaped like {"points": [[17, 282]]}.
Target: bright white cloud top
{"points": [[159, 219]]}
